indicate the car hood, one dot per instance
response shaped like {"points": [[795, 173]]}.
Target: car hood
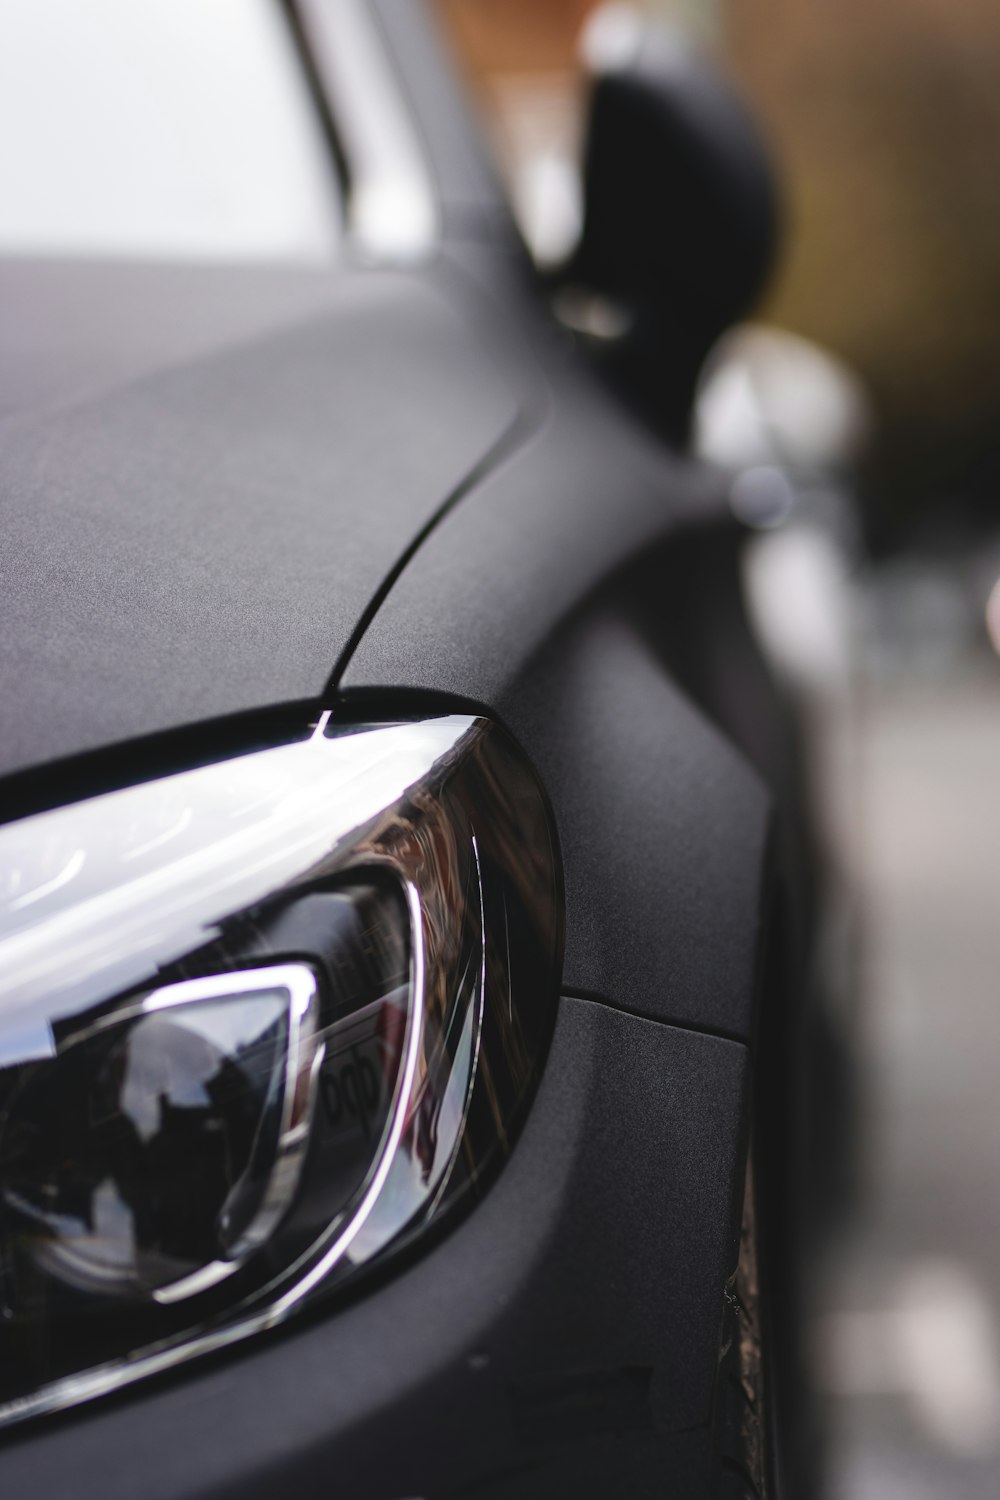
{"points": [[205, 477]]}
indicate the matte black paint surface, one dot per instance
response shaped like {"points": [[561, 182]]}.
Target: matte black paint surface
{"points": [[602, 1248], [74, 329], [204, 539], [520, 599]]}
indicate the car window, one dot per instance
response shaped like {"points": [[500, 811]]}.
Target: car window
{"points": [[171, 129]]}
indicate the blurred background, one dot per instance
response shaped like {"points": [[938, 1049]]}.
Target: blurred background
{"points": [[885, 122]]}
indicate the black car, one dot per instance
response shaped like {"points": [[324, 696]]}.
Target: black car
{"points": [[406, 889]]}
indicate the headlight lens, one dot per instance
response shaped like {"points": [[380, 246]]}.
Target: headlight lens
{"points": [[260, 1021]]}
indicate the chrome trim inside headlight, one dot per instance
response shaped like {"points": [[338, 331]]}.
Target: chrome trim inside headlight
{"points": [[261, 1022]]}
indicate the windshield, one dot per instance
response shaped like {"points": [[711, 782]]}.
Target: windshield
{"points": [[166, 129]]}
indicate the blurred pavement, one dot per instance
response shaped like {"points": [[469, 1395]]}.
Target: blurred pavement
{"points": [[908, 1344]]}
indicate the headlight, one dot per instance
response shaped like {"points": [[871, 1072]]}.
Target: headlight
{"points": [[260, 1021]]}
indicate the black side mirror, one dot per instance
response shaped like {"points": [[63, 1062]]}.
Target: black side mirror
{"points": [[680, 209]]}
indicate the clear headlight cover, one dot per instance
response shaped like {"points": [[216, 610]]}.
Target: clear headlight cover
{"points": [[261, 1021]]}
